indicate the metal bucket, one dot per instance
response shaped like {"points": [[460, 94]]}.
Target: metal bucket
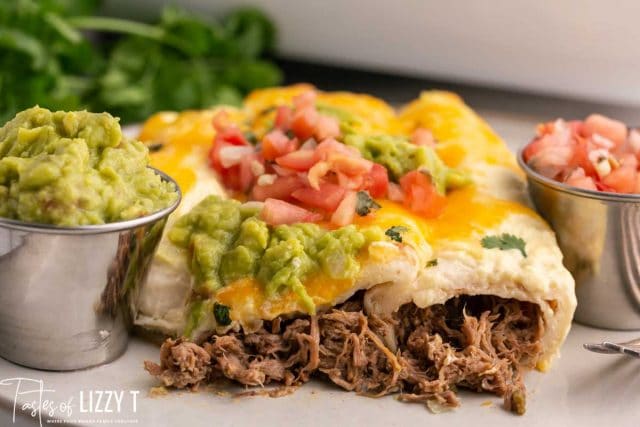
{"points": [[599, 235], [65, 291]]}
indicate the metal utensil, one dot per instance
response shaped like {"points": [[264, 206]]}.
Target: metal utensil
{"points": [[599, 235], [65, 292], [630, 348]]}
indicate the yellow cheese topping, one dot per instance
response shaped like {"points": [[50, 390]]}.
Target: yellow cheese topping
{"points": [[462, 135], [247, 300], [468, 214]]}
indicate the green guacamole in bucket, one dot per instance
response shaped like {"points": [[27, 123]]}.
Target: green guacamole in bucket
{"points": [[75, 168]]}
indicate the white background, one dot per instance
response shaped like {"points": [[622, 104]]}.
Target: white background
{"points": [[582, 48]]}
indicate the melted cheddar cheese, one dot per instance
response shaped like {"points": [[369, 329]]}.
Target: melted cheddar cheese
{"points": [[462, 135], [247, 299]]}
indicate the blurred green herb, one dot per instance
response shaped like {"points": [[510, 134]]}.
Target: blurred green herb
{"points": [[504, 242], [222, 314], [395, 232], [365, 204], [183, 61]]}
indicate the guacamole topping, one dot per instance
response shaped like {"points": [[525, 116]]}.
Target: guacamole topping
{"points": [[396, 153], [400, 156], [228, 242], [75, 168]]}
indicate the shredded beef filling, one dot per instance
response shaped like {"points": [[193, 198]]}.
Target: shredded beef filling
{"points": [[482, 343]]}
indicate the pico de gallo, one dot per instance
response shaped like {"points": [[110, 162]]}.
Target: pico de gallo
{"points": [[599, 154], [310, 167]]}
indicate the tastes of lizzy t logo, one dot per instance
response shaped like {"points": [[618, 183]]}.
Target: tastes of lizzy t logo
{"points": [[33, 399]]}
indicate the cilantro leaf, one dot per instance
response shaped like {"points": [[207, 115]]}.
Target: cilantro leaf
{"points": [[394, 232], [221, 313], [504, 242], [365, 204], [432, 263]]}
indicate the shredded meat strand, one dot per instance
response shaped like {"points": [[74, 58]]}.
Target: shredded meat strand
{"points": [[481, 343]]}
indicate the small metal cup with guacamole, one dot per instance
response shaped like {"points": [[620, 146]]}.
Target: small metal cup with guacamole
{"points": [[81, 214]]}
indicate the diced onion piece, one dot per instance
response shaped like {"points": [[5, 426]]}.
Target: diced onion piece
{"points": [[316, 172], [602, 142], [600, 160], [346, 210], [257, 168], [266, 179], [232, 155]]}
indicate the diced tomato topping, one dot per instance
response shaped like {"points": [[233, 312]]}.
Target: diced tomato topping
{"points": [[222, 121], [327, 198], [420, 195], [300, 160], [350, 182], [282, 171], [227, 138], [422, 136], [232, 172], [395, 192], [581, 157], [327, 127], [278, 212], [246, 176], [306, 99], [576, 126], [597, 154], [350, 165], [331, 146], [321, 174], [580, 180], [346, 210], [629, 160], [282, 188], [276, 144], [231, 155], [303, 122], [283, 118], [613, 130], [376, 182], [531, 150], [634, 141], [622, 179]]}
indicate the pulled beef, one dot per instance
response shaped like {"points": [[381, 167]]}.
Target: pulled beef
{"points": [[481, 343], [184, 364]]}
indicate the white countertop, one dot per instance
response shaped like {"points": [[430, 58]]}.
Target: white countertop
{"points": [[582, 388]]}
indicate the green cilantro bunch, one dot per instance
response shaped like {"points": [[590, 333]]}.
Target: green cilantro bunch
{"points": [[50, 57]]}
